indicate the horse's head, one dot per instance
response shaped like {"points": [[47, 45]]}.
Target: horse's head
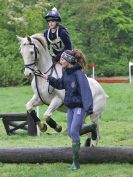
{"points": [[30, 53]]}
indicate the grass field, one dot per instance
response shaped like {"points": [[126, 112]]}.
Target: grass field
{"points": [[116, 129]]}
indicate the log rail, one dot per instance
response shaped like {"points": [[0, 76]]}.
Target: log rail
{"points": [[64, 154]]}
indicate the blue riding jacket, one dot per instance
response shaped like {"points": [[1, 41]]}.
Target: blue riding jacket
{"points": [[58, 41], [77, 89]]}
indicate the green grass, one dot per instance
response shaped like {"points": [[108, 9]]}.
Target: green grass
{"points": [[61, 170], [116, 127]]}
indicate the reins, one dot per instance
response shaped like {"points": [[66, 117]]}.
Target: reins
{"points": [[38, 73]]}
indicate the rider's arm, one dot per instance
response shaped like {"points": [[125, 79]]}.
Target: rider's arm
{"points": [[66, 40]]}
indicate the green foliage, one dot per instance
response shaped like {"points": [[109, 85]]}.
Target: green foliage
{"points": [[10, 72], [107, 32], [102, 29], [18, 18], [10, 63]]}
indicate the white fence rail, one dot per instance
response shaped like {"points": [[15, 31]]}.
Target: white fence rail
{"points": [[130, 74]]}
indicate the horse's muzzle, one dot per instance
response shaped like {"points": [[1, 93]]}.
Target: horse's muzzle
{"points": [[29, 75]]}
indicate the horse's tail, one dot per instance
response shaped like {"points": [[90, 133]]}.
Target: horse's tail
{"points": [[96, 88]]}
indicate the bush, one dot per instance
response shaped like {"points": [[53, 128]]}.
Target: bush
{"points": [[11, 72]]}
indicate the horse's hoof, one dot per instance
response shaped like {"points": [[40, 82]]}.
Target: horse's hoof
{"points": [[94, 143], [42, 127], [58, 128]]}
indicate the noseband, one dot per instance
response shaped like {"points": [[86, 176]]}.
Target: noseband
{"points": [[36, 51]]}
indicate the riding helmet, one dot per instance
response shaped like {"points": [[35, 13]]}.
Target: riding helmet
{"points": [[53, 15]]}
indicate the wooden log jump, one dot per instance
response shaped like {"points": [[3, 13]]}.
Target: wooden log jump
{"points": [[64, 154], [113, 80], [15, 121]]}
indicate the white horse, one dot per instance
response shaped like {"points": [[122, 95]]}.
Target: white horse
{"points": [[37, 59]]}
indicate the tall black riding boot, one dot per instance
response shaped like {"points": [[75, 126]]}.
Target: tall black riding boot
{"points": [[75, 150]]}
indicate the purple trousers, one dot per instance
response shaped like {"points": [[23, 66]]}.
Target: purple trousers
{"points": [[75, 120]]}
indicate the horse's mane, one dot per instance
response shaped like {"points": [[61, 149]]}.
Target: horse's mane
{"points": [[41, 38]]}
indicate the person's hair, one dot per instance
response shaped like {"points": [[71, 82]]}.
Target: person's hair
{"points": [[78, 54]]}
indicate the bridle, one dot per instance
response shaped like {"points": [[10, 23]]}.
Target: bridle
{"points": [[38, 73], [36, 51]]}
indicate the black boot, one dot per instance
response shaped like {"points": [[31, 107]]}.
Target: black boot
{"points": [[53, 124], [75, 150]]}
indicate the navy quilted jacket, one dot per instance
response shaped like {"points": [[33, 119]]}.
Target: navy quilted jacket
{"points": [[77, 89]]}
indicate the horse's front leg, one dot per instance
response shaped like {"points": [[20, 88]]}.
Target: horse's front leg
{"points": [[55, 103], [35, 101]]}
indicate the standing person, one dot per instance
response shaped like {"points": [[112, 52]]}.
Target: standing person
{"points": [[56, 35], [78, 98]]}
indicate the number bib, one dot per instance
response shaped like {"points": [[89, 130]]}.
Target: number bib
{"points": [[56, 44]]}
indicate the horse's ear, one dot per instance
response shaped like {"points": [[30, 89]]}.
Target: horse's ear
{"points": [[19, 38], [29, 39]]}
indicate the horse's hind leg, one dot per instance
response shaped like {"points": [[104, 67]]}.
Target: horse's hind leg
{"points": [[95, 119], [90, 131], [55, 103]]}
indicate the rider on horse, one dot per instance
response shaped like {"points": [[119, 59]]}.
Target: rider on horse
{"points": [[56, 35]]}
